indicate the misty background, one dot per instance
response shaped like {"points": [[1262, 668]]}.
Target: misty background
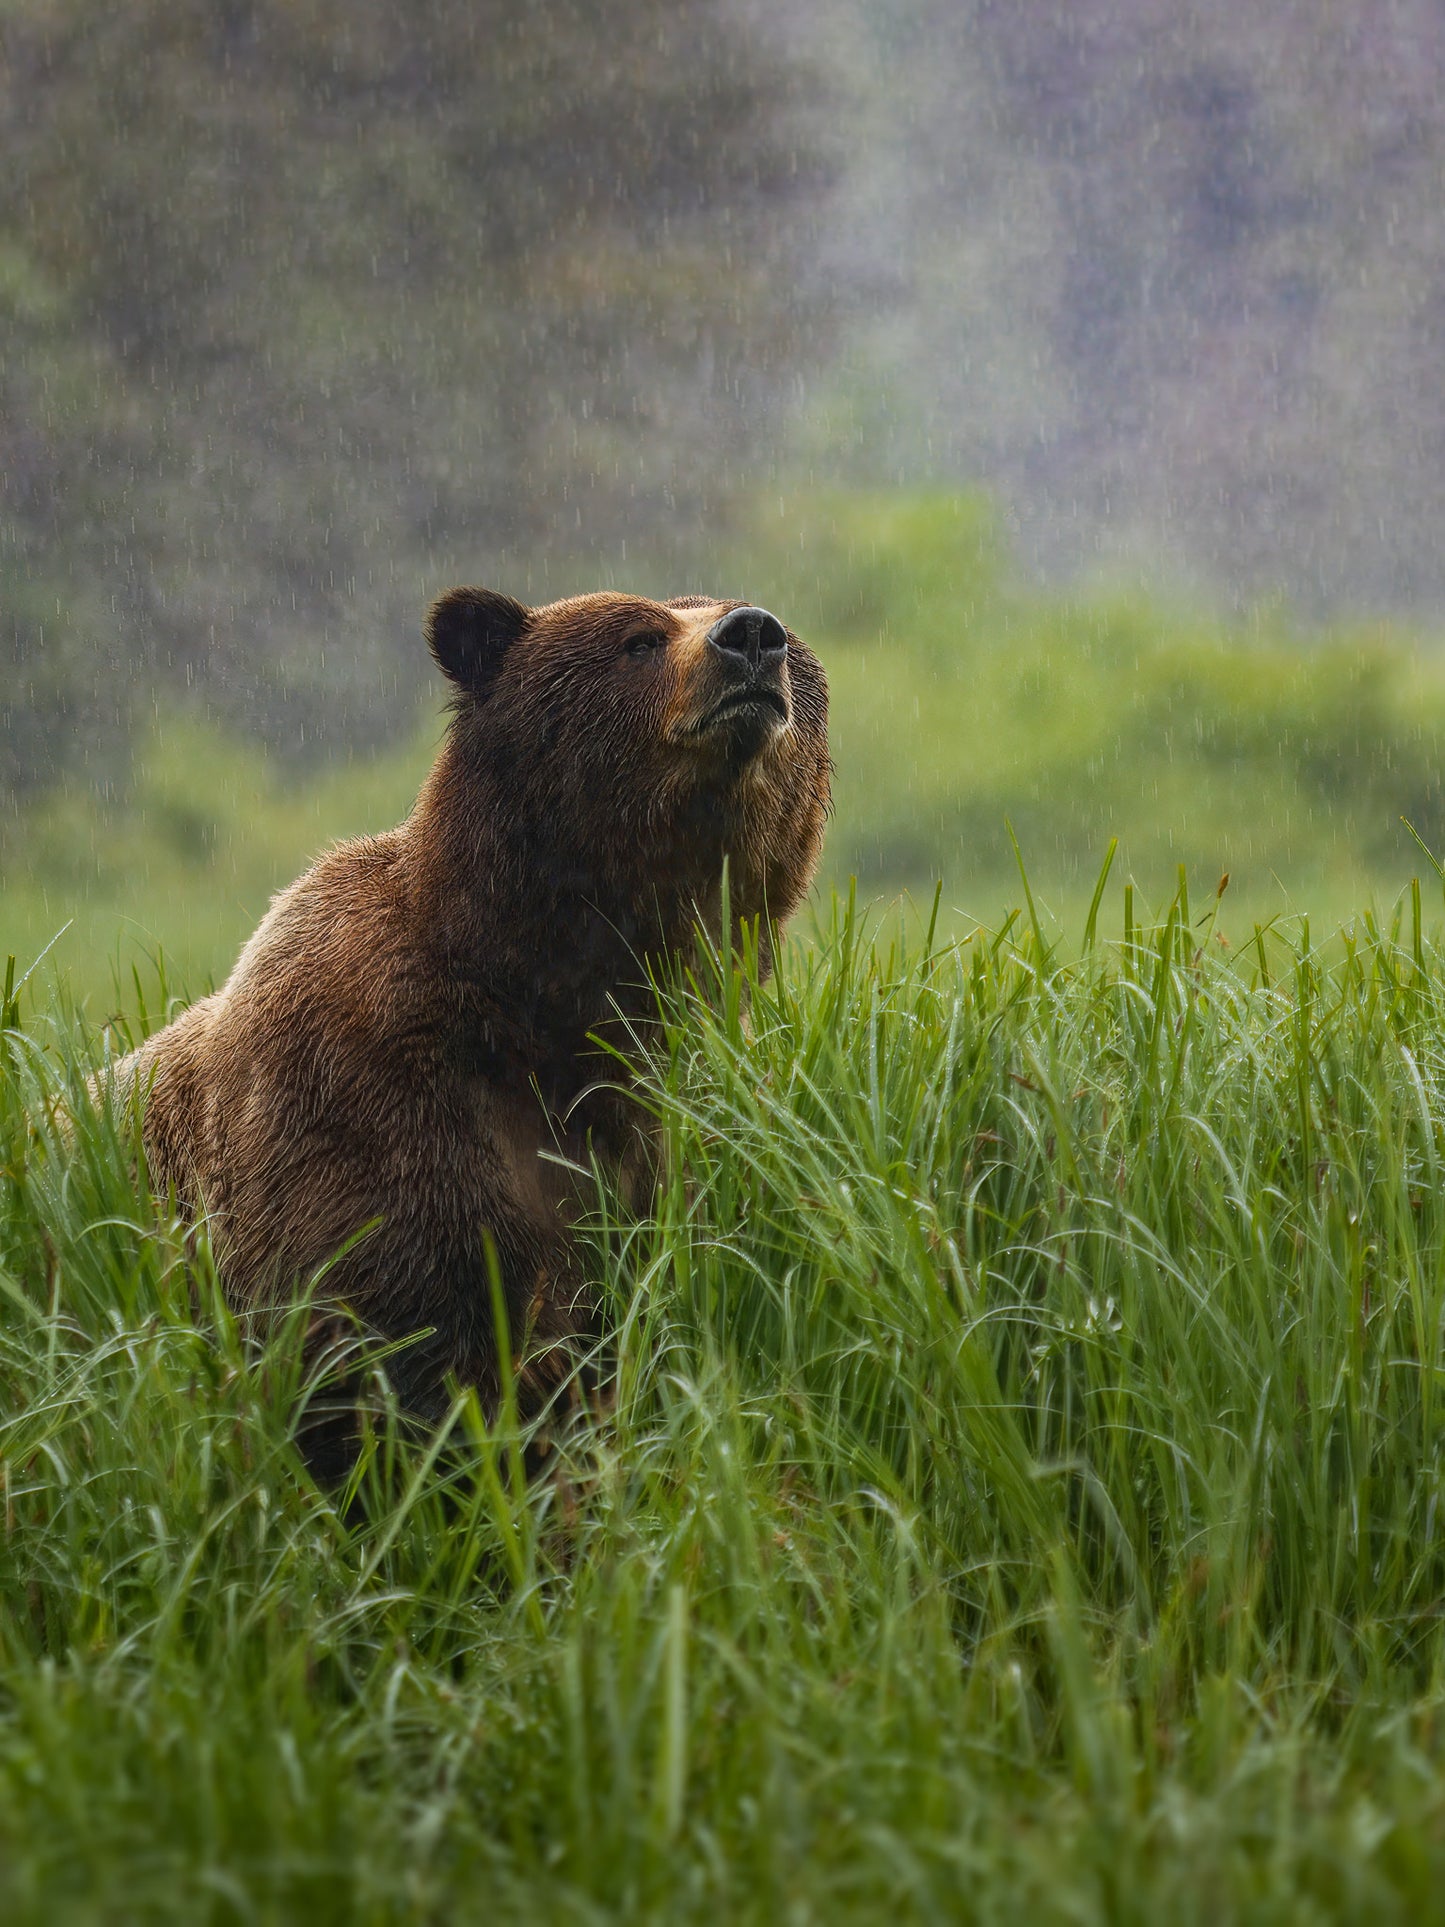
{"points": [[308, 310]]}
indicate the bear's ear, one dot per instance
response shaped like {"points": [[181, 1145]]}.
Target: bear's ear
{"points": [[469, 631]]}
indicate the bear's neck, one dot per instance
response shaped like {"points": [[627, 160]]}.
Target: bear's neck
{"points": [[539, 940]]}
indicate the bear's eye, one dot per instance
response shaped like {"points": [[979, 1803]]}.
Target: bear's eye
{"points": [[645, 643]]}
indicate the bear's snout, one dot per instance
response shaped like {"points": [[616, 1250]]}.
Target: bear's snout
{"points": [[751, 633]]}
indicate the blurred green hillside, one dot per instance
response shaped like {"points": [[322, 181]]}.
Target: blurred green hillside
{"points": [[961, 704]]}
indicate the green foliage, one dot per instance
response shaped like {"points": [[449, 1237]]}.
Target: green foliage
{"points": [[922, 567], [1019, 1496], [962, 703], [211, 827]]}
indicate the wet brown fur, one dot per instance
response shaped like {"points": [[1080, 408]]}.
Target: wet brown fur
{"points": [[406, 1033]]}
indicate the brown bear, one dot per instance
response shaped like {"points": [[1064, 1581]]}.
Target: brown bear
{"points": [[403, 1048]]}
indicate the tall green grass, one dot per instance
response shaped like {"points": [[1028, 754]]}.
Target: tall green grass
{"points": [[1020, 1497]]}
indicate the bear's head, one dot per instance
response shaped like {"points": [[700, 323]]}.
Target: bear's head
{"points": [[620, 749]]}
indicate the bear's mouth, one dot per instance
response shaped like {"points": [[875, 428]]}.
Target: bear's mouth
{"points": [[745, 702]]}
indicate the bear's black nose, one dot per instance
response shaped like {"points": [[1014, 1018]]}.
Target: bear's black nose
{"points": [[752, 633]]}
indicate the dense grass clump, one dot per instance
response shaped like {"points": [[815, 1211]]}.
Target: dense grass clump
{"points": [[1020, 1498]]}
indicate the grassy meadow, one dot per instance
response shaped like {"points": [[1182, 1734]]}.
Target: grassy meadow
{"points": [[1021, 1497]]}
